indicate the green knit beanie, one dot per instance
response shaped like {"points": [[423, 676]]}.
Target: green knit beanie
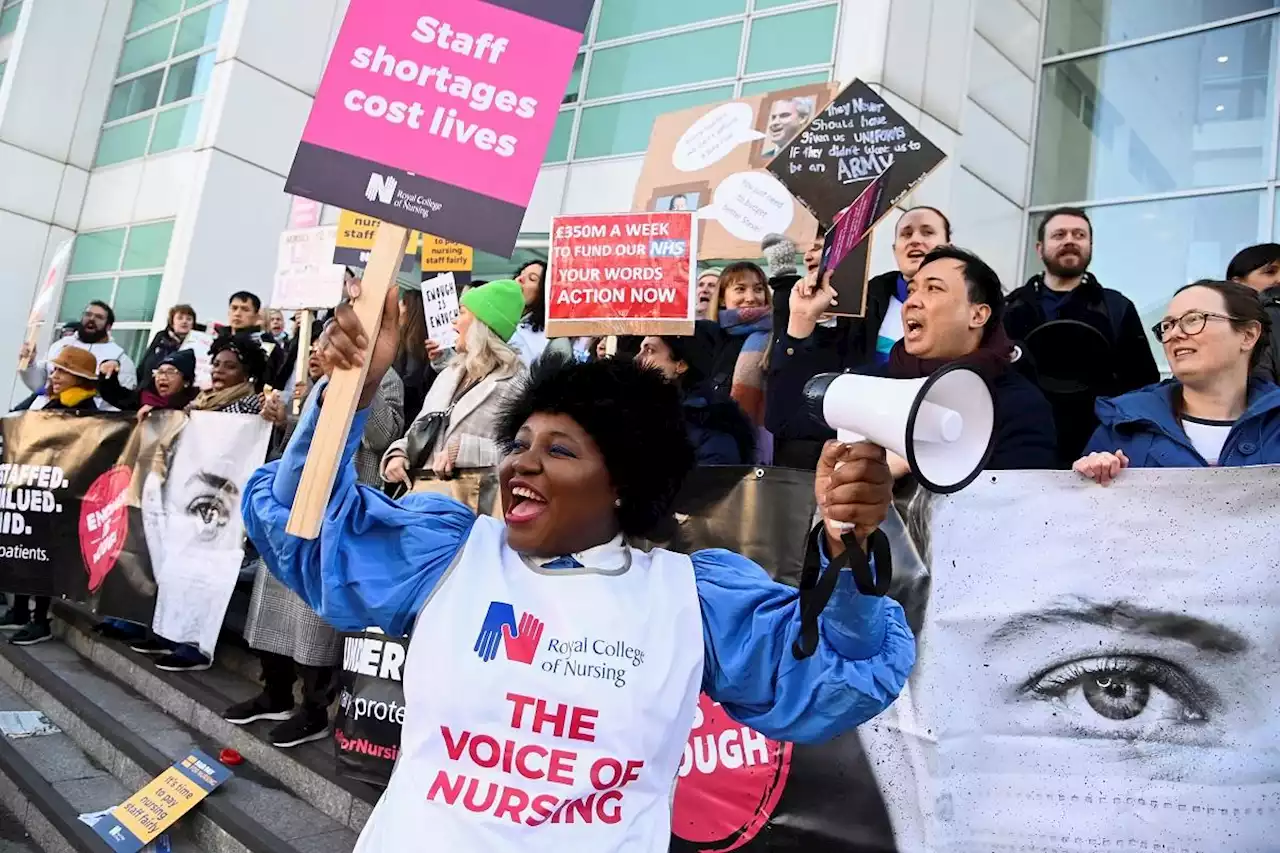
{"points": [[498, 304]]}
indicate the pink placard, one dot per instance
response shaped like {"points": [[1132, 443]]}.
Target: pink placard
{"points": [[461, 91]]}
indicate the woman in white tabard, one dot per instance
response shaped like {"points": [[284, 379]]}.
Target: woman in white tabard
{"points": [[554, 670], [1211, 412]]}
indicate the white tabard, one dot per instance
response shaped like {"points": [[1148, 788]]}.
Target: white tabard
{"points": [[546, 709]]}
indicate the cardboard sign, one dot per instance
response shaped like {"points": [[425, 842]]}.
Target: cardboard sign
{"points": [[851, 143], [440, 303], [306, 276], [435, 114], [440, 255], [303, 213], [137, 821], [355, 242], [622, 274], [709, 159]]}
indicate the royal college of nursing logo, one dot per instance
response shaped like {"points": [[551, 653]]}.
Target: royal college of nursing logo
{"points": [[381, 188], [520, 641]]}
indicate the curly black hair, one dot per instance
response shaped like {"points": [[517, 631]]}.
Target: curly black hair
{"points": [[633, 415], [247, 348]]}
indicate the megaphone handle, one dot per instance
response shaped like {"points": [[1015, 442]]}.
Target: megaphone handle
{"points": [[846, 437]]}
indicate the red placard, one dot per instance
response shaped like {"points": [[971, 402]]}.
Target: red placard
{"points": [[622, 274]]}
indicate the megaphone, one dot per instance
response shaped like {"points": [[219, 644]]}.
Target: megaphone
{"points": [[943, 425]]}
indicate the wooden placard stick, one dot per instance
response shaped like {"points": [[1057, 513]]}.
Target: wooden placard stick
{"points": [[304, 356], [344, 389]]}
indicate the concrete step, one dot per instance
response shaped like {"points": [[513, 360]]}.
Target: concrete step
{"points": [[47, 781], [308, 772], [128, 736]]}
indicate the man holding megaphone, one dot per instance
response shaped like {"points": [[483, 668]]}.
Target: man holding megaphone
{"points": [[951, 319]]}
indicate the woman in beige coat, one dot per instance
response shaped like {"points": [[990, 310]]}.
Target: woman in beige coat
{"points": [[467, 394]]}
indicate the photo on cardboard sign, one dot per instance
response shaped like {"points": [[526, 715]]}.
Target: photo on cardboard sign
{"points": [[781, 118], [680, 197]]}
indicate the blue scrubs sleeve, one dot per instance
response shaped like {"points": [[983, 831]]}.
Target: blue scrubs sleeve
{"points": [[376, 560], [749, 623]]}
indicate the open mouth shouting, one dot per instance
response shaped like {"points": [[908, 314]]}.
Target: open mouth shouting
{"points": [[526, 504], [913, 328]]}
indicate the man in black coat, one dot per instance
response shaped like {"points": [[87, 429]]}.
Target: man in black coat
{"points": [[952, 313], [1087, 341]]}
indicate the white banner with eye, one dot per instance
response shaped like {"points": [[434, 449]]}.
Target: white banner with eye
{"points": [[1098, 668]]}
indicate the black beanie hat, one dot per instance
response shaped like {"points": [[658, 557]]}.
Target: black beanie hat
{"points": [[184, 361]]}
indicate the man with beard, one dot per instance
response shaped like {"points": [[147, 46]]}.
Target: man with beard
{"points": [[93, 335], [1086, 341]]}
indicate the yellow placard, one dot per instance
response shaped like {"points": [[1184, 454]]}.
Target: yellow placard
{"points": [[355, 238], [441, 255], [159, 805]]}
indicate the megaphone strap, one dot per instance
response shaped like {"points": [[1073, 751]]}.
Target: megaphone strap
{"points": [[818, 585]]}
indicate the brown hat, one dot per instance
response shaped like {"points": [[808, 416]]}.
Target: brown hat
{"points": [[77, 362]]}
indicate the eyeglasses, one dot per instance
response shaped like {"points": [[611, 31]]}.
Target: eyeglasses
{"points": [[170, 372], [1191, 323]]}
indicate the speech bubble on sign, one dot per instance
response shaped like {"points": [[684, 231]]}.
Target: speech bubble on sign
{"points": [[751, 205], [710, 139]]}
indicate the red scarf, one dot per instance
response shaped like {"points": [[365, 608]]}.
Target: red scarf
{"points": [[992, 359]]}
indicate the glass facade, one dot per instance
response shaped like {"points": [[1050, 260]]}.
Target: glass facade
{"points": [[9, 11], [122, 267], [164, 73], [1161, 119], [642, 58]]}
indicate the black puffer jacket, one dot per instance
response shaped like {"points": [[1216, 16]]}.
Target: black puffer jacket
{"points": [[720, 432]]}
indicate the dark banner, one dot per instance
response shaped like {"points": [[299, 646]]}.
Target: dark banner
{"points": [[366, 729]]}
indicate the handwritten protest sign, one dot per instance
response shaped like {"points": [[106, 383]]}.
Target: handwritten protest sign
{"points": [[622, 274], [846, 146], [139, 820], [434, 114], [306, 276], [440, 303]]}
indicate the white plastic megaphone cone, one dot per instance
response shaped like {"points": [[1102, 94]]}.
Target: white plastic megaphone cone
{"points": [[943, 425]]}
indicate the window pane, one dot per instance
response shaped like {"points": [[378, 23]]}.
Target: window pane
{"points": [[134, 96], [80, 293], [1275, 221], [145, 50], [777, 84], [123, 142], [176, 128], [1150, 249], [200, 30], [625, 128], [97, 251], [493, 268], [574, 88], [136, 298], [1081, 24], [3, 63], [148, 246], [9, 19], [670, 61], [558, 150], [132, 341], [784, 41], [1195, 111], [187, 78], [630, 17], [148, 12]]}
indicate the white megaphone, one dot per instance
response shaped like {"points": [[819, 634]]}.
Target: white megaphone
{"points": [[943, 425]]}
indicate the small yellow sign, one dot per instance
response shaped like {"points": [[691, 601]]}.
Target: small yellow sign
{"points": [[441, 255], [355, 240], [141, 819]]}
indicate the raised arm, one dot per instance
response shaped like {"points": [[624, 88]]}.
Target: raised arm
{"points": [[865, 652]]}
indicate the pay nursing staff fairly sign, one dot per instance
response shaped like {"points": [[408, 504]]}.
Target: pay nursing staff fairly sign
{"points": [[622, 274], [435, 114]]}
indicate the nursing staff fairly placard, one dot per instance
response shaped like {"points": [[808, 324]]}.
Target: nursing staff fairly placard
{"points": [[435, 114], [622, 274]]}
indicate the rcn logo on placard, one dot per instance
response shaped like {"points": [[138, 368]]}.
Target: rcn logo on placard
{"points": [[668, 248], [381, 188], [520, 641]]}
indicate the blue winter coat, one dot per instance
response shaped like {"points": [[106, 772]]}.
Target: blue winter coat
{"points": [[1145, 426]]}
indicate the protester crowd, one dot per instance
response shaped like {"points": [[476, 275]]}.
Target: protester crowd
{"points": [[1073, 381]]}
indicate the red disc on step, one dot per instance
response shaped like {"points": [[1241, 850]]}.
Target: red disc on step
{"points": [[230, 757]]}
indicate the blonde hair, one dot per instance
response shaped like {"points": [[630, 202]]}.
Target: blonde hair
{"points": [[486, 353]]}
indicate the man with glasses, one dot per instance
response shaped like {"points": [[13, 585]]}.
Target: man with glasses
{"points": [[94, 335], [1086, 340]]}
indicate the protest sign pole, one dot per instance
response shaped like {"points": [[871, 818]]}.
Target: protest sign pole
{"points": [[343, 392], [305, 320]]}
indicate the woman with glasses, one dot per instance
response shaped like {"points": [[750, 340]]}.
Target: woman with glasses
{"points": [[1211, 412]]}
